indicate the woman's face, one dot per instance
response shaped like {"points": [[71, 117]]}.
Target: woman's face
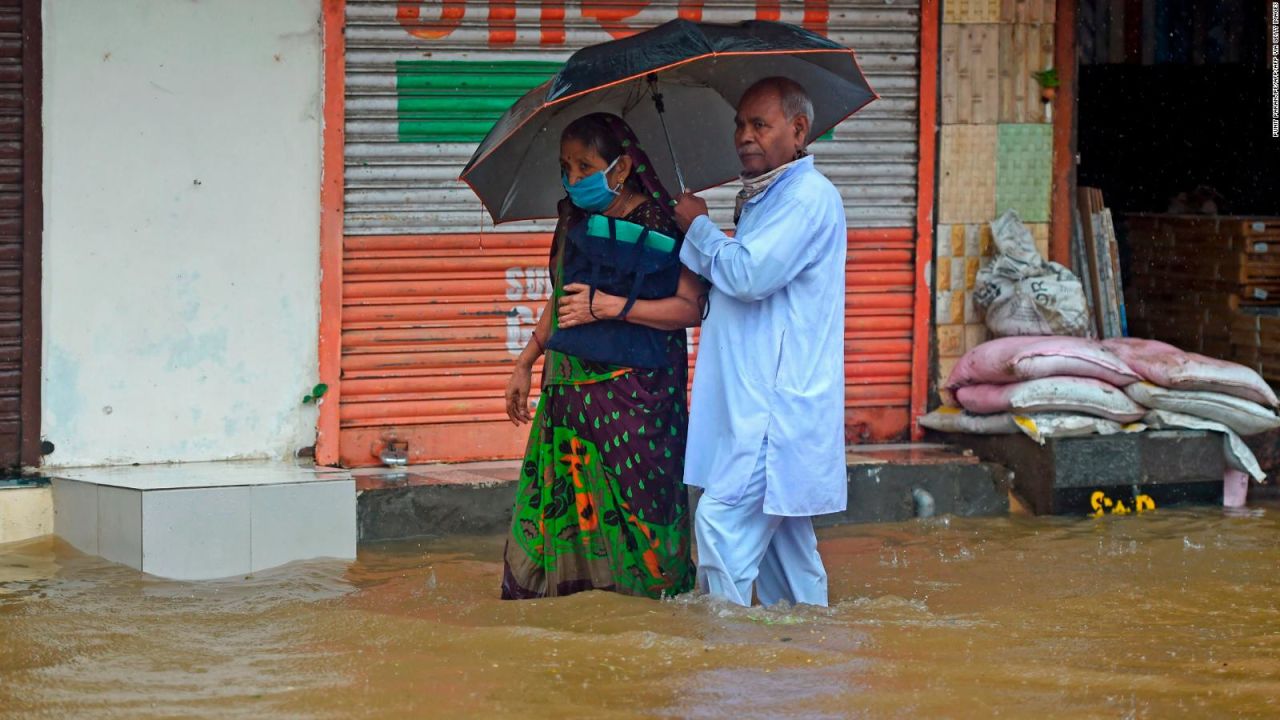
{"points": [[578, 160]]}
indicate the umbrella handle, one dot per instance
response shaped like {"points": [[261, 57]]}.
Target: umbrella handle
{"points": [[662, 118]]}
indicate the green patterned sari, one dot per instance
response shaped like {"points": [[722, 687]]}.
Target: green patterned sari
{"points": [[601, 502]]}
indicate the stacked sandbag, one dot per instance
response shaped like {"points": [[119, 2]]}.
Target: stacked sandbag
{"points": [[1042, 386], [1166, 366], [1045, 375], [1243, 416], [1037, 426], [1051, 386], [1055, 394], [1014, 359]]}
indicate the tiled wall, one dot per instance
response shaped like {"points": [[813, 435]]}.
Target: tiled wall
{"points": [[995, 150]]}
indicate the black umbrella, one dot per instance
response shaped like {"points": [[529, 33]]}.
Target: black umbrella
{"points": [[677, 83]]}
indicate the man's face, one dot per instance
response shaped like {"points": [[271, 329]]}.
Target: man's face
{"points": [[765, 138]]}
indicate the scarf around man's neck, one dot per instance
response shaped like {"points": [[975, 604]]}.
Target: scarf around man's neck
{"points": [[753, 186]]}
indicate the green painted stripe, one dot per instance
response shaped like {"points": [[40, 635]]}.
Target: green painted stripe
{"points": [[458, 101]]}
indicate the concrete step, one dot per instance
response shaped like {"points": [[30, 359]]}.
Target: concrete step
{"points": [[26, 508], [883, 481], [476, 498], [199, 521]]}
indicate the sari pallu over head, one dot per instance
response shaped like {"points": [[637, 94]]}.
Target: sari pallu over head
{"points": [[602, 260]]}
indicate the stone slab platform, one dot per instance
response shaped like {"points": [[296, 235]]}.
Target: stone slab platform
{"points": [[476, 498], [1065, 475]]}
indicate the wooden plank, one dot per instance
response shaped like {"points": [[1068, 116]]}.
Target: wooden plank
{"points": [[1115, 26], [1102, 259], [1080, 262], [1103, 240], [1148, 43], [1117, 287], [1091, 255], [1067, 52]]}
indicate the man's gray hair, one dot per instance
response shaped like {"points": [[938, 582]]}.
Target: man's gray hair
{"points": [[795, 101]]}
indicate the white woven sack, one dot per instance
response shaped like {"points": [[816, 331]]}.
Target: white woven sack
{"points": [[1244, 416], [1239, 456]]}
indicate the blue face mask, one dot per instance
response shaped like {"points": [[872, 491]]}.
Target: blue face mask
{"points": [[592, 193]]}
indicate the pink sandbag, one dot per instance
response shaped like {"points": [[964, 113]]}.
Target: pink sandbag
{"points": [[1167, 366], [1014, 359], [1053, 394]]}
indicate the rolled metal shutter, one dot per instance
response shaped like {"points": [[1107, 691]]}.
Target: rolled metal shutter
{"points": [[13, 201], [437, 301]]}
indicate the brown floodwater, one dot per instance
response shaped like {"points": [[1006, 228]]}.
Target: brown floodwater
{"points": [[1168, 614]]}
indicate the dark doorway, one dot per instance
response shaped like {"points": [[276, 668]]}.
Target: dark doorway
{"points": [[1175, 98]]}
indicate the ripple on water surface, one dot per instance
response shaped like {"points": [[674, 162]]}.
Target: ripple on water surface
{"points": [[1172, 613]]}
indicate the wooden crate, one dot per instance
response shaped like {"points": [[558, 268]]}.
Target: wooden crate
{"points": [[1209, 285], [1238, 257], [1261, 226]]}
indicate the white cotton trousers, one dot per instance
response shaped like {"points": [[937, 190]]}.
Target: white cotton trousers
{"points": [[739, 545]]}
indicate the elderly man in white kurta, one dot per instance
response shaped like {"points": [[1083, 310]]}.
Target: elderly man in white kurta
{"points": [[766, 430]]}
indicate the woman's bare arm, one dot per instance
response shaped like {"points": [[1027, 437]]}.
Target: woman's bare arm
{"points": [[682, 310], [521, 380]]}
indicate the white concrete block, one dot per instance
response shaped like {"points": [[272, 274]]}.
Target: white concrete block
{"points": [[177, 476], [196, 534], [303, 520], [25, 513], [207, 520], [120, 525], [75, 514]]}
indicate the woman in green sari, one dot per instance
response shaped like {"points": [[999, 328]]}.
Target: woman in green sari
{"points": [[601, 502]]}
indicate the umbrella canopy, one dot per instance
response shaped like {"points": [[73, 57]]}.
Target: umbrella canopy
{"points": [[700, 70]]}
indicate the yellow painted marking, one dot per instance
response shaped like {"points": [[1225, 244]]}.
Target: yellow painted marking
{"points": [[1102, 504]]}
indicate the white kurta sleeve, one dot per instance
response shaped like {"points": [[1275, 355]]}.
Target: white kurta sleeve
{"points": [[691, 256], [755, 265]]}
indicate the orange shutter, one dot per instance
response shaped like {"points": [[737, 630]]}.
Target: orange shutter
{"points": [[436, 302]]}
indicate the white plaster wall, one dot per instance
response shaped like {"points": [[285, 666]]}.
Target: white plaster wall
{"points": [[181, 247]]}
